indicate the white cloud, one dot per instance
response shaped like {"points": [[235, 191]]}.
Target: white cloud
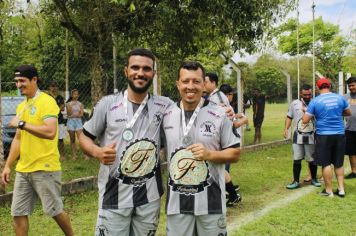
{"points": [[339, 12]]}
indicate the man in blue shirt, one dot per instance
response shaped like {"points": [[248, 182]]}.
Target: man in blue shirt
{"points": [[328, 109]]}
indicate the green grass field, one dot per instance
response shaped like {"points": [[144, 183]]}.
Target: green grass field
{"points": [[272, 126], [262, 176]]}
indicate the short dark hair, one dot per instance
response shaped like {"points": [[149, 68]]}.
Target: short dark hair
{"points": [[59, 100], [52, 83], [351, 80], [141, 52], [191, 65], [213, 77], [226, 88], [305, 87]]}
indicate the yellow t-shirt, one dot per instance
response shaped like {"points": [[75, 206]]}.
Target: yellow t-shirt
{"points": [[38, 153]]}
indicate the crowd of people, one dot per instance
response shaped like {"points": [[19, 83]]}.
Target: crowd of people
{"points": [[201, 137]]}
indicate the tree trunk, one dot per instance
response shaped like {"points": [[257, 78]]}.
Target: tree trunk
{"points": [[97, 78]]}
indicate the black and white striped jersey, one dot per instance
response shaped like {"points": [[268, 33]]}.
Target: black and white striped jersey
{"points": [[134, 178], [194, 186], [302, 134]]}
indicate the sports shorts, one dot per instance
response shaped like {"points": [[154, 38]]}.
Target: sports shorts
{"points": [[257, 121], [74, 124], [330, 149], [141, 220], [350, 148], [303, 151], [45, 185], [62, 132], [206, 225]]}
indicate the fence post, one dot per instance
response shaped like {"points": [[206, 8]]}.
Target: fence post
{"points": [[239, 96], [348, 75], [289, 90], [114, 56], [341, 83], [2, 160], [67, 66]]}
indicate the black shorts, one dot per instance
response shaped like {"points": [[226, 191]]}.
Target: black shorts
{"points": [[350, 148], [330, 149], [257, 121]]}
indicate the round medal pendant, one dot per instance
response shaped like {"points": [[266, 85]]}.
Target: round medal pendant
{"points": [[128, 134], [187, 140]]}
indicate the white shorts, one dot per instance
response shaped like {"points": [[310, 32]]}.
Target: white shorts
{"points": [[301, 151], [141, 220], [62, 132], [206, 225]]}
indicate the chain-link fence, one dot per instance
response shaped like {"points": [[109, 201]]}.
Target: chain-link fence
{"points": [[74, 72]]}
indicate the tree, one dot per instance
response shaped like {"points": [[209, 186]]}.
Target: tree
{"points": [[270, 81], [330, 47], [175, 29]]}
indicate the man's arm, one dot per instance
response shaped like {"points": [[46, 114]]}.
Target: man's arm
{"points": [[287, 125], [241, 120], [347, 112], [106, 155], [47, 130], [13, 155], [224, 156], [306, 118]]}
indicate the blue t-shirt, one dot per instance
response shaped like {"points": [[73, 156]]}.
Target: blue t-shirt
{"points": [[327, 109]]}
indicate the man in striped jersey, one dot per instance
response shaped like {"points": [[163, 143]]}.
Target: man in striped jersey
{"points": [[303, 137], [127, 126], [200, 140], [217, 96]]}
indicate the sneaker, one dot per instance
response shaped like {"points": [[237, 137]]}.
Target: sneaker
{"points": [[233, 202], [326, 194], [316, 183], [293, 185], [339, 193], [237, 187], [351, 175]]}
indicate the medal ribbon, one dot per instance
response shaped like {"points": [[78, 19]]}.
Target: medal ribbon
{"points": [[186, 127], [131, 123]]}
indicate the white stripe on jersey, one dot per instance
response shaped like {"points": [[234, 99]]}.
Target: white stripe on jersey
{"points": [[215, 131], [123, 186]]}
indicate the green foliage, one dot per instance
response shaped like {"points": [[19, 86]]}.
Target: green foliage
{"points": [[330, 47], [270, 81]]}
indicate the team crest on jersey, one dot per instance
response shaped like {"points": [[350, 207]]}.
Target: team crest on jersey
{"points": [[208, 128], [157, 118], [101, 230], [33, 110], [187, 175], [138, 162]]}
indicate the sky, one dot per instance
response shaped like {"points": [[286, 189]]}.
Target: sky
{"points": [[338, 12]]}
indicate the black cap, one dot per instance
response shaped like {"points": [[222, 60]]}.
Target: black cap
{"points": [[27, 71]]}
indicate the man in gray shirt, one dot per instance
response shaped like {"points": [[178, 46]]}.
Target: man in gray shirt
{"points": [[200, 140], [303, 137], [127, 126], [350, 130]]}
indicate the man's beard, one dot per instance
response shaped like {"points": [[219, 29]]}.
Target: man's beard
{"points": [[140, 90]]}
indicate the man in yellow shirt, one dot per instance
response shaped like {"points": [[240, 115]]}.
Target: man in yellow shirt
{"points": [[38, 170]]}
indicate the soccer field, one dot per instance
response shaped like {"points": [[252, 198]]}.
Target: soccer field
{"points": [[262, 176]]}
